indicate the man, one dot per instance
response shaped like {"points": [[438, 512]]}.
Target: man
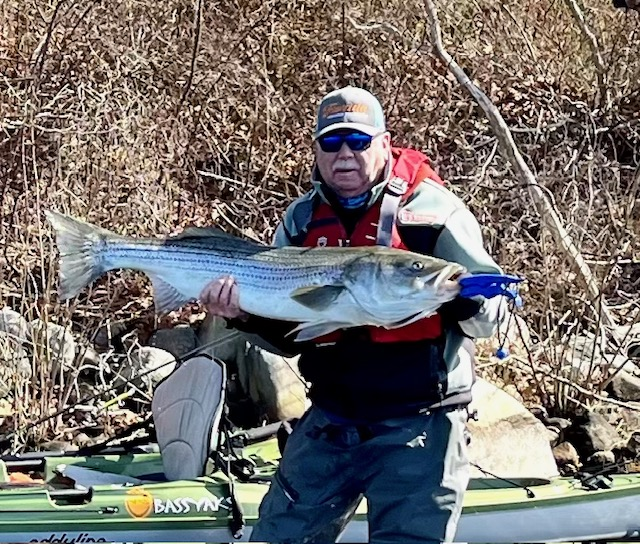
{"points": [[388, 415]]}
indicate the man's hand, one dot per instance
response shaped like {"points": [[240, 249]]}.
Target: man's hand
{"points": [[459, 309], [221, 298]]}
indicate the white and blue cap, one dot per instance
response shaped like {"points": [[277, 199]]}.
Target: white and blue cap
{"points": [[352, 108]]}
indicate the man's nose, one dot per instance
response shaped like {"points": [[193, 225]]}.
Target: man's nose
{"points": [[345, 151]]}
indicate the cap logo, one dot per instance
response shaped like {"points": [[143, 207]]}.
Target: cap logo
{"points": [[336, 110]]}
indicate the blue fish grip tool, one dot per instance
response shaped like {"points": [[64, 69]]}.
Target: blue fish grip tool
{"points": [[491, 285]]}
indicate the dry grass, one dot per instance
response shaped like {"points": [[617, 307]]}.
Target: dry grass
{"points": [[148, 117]]}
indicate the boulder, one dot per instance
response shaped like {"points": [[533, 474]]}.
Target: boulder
{"points": [[270, 380], [53, 344], [507, 440], [13, 357], [591, 433], [148, 365], [273, 383], [180, 340], [15, 364], [211, 331], [600, 459], [567, 458], [12, 323], [625, 386], [633, 445]]}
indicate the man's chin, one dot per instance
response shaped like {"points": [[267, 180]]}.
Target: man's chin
{"points": [[351, 184]]}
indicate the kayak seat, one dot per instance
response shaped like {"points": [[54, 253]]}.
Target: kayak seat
{"points": [[186, 408]]}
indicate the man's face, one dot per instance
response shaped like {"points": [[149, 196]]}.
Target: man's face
{"points": [[348, 172]]}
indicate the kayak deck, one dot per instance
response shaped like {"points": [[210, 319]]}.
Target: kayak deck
{"points": [[123, 496]]}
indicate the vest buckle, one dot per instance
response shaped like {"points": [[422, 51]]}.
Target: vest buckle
{"points": [[397, 186]]}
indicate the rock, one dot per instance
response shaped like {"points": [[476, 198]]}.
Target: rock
{"points": [[629, 416], [633, 445], [214, 329], [13, 357], [88, 356], [556, 427], [14, 324], [554, 436], [585, 358], [82, 439], [15, 364], [601, 458], [154, 364], [111, 333], [179, 340], [55, 445], [591, 433], [559, 423], [273, 383], [507, 439], [625, 386], [269, 380], [566, 457], [53, 344]]}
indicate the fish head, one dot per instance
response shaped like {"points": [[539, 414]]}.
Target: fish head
{"points": [[394, 281]]}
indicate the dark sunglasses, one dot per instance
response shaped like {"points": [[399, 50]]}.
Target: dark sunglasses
{"points": [[357, 141]]}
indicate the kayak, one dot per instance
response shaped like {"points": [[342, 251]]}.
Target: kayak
{"points": [[200, 480], [123, 496]]}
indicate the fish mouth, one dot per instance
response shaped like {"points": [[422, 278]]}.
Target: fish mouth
{"points": [[441, 279]]}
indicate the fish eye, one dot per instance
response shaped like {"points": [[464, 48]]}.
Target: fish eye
{"points": [[417, 265]]}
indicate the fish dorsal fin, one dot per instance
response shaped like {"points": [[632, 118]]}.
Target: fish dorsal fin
{"points": [[166, 296], [317, 297], [202, 232], [214, 233]]}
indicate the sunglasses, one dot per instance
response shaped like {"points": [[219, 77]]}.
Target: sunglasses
{"points": [[357, 141]]}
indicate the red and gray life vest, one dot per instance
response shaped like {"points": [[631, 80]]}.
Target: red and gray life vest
{"points": [[378, 227]]}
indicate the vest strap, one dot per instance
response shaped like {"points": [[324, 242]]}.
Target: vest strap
{"points": [[394, 191]]}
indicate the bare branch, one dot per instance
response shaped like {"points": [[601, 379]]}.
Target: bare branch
{"points": [[194, 55], [592, 40], [510, 152]]}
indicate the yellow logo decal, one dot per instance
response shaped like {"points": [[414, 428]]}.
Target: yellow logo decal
{"points": [[139, 503], [332, 110]]}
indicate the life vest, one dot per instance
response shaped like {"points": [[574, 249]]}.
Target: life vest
{"points": [[378, 227]]}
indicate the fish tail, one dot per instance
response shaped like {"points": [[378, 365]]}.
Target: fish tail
{"points": [[79, 245]]}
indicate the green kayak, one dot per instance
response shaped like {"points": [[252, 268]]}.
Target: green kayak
{"points": [[197, 484], [68, 506]]}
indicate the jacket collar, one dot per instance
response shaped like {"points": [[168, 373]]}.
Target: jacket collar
{"points": [[319, 186]]}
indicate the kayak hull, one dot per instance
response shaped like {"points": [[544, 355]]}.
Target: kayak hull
{"points": [[200, 510]]}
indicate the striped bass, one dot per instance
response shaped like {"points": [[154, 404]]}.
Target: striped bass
{"points": [[321, 288]]}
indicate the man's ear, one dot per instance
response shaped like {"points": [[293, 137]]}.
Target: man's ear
{"points": [[386, 138]]}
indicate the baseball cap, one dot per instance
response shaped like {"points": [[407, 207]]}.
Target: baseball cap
{"points": [[350, 107]]}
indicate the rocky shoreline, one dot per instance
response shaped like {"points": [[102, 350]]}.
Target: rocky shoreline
{"points": [[506, 438]]}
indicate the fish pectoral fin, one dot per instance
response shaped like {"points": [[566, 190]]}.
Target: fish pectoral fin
{"points": [[409, 320], [310, 331], [317, 297], [165, 295]]}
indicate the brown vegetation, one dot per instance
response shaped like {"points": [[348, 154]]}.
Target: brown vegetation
{"points": [[148, 117]]}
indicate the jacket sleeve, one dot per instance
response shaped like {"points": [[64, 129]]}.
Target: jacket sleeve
{"points": [[461, 241], [280, 238], [270, 334]]}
